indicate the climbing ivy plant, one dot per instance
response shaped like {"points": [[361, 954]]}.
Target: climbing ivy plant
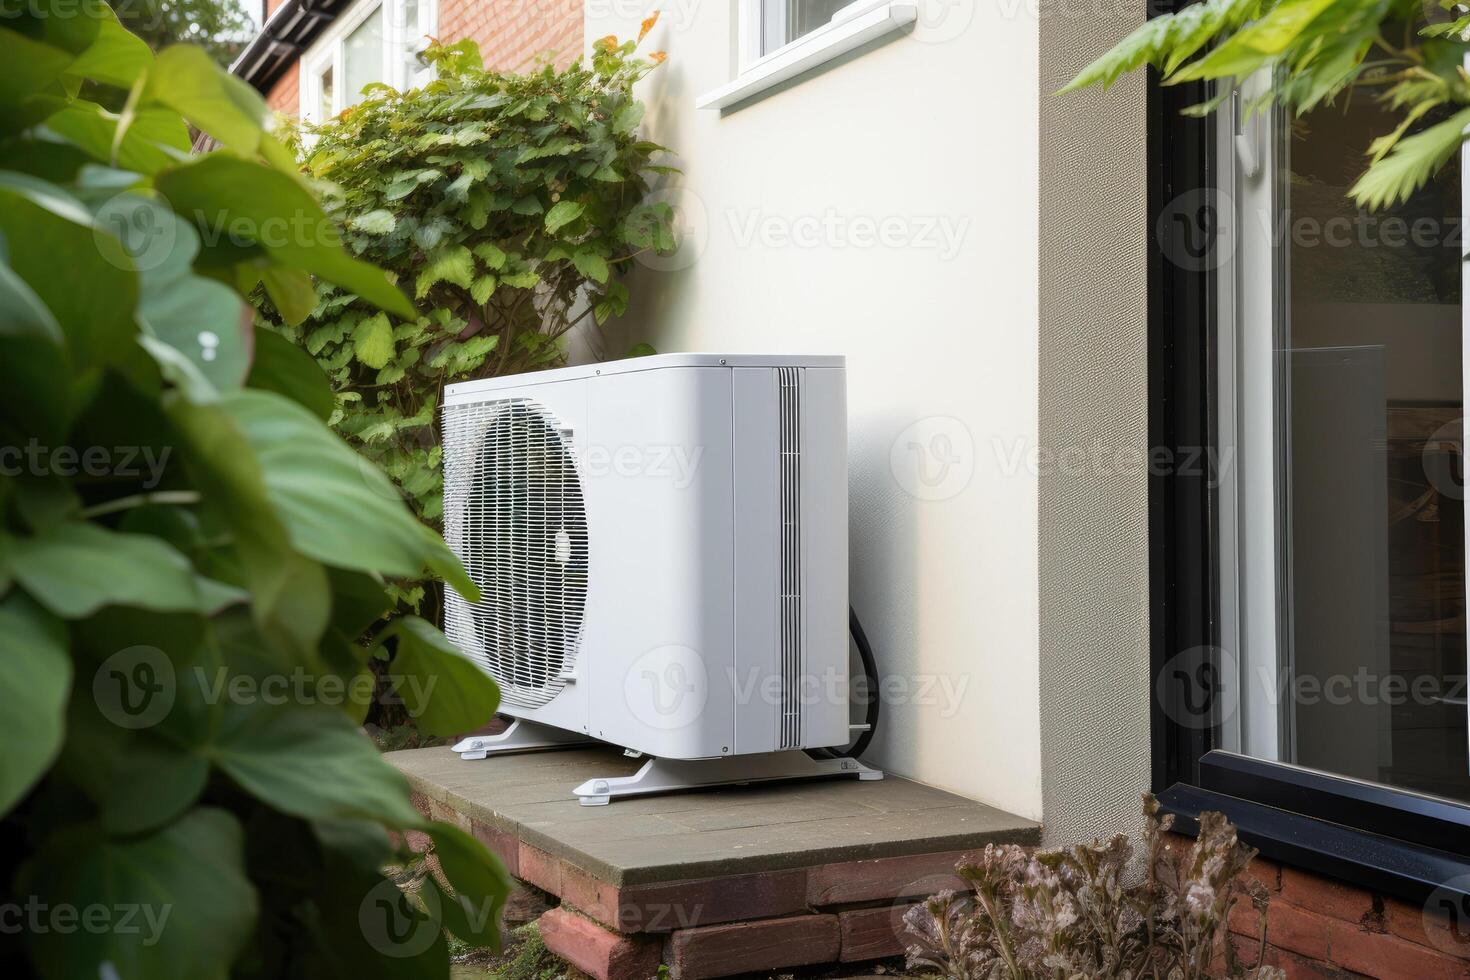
{"points": [[509, 205], [1407, 54], [188, 553]]}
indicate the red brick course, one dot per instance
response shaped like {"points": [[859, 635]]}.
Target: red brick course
{"points": [[746, 947], [595, 951], [872, 934], [1320, 927]]}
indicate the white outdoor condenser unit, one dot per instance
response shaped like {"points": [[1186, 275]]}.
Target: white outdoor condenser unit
{"points": [[661, 549]]}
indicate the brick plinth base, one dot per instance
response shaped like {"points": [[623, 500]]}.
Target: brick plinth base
{"points": [[702, 928], [1318, 927]]}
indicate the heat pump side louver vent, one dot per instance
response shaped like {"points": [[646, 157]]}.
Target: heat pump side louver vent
{"points": [[792, 626], [514, 514]]}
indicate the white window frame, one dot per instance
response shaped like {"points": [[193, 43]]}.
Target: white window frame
{"points": [[328, 51], [851, 27]]}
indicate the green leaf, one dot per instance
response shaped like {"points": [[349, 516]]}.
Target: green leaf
{"points": [[22, 314], [286, 369], [372, 341], [491, 254], [78, 270], [379, 222], [228, 195], [155, 139], [326, 494], [292, 292], [289, 597], [186, 80], [190, 906], [35, 676], [479, 881], [444, 691], [76, 568], [482, 288], [310, 763], [202, 319], [1413, 161], [626, 119], [563, 213], [451, 264], [591, 265], [116, 56]]}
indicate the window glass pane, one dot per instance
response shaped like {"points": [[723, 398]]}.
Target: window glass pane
{"points": [[412, 36], [1365, 468], [783, 21], [362, 57], [327, 92]]}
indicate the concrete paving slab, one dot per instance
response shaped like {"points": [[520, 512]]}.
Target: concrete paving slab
{"points": [[734, 830]]}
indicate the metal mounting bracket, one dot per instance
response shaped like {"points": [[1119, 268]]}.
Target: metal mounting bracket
{"points": [[669, 775], [520, 736]]}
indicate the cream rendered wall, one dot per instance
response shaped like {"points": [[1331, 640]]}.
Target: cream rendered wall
{"points": [[885, 208]]}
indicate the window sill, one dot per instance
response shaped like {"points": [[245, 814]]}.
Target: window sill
{"points": [[821, 45], [1371, 836]]}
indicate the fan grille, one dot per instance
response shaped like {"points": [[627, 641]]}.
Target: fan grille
{"points": [[514, 514]]}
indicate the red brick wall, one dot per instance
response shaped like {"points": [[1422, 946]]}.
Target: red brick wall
{"points": [[1318, 927], [512, 34], [285, 95]]}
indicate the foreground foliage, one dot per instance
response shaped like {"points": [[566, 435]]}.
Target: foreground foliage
{"points": [[1073, 912], [1407, 54], [187, 552], [509, 204]]}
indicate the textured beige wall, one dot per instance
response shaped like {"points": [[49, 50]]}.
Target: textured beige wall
{"points": [[926, 131], [1093, 531]]}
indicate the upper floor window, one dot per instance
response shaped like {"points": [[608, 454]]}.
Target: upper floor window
{"points": [[781, 39], [783, 21], [374, 41]]}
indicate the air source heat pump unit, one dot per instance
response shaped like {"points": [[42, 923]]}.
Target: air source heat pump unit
{"points": [[661, 549]]}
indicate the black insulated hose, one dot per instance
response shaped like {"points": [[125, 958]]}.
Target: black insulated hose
{"points": [[870, 668]]}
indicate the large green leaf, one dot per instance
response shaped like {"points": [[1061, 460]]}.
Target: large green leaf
{"points": [[326, 494], [312, 763], [202, 319], [76, 568], [116, 56], [187, 81], [188, 904], [479, 881], [444, 691], [21, 311], [75, 268], [35, 676], [145, 147], [252, 204], [286, 369], [289, 594]]}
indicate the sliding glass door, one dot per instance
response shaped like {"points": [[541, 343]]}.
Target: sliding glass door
{"points": [[1341, 499]]}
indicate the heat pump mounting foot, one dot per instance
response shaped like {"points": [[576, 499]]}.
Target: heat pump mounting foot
{"points": [[669, 775], [520, 736]]}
